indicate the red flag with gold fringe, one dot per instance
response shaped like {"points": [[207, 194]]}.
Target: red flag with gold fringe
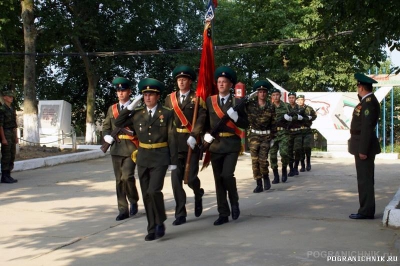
{"points": [[206, 85]]}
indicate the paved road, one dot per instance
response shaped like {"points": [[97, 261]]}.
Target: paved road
{"points": [[65, 215]]}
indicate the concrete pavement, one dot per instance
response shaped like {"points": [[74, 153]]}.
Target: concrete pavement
{"points": [[65, 215]]}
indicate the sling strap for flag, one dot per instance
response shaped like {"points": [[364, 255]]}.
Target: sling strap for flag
{"points": [[179, 113], [220, 114]]}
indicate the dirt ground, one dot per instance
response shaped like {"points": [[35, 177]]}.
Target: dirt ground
{"points": [[31, 152]]}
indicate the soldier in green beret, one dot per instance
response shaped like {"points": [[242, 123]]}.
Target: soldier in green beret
{"points": [[364, 145], [183, 104], [9, 138], [225, 150], [281, 140], [121, 151], [157, 152], [309, 116], [261, 115]]}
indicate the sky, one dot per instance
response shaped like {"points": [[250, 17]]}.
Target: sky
{"points": [[394, 57]]}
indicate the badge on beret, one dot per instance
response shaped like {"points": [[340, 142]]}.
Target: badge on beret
{"points": [[366, 113]]}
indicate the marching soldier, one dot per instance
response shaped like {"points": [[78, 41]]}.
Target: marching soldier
{"points": [[157, 152], [294, 128], [226, 148], [364, 145], [9, 138], [309, 116], [183, 103], [124, 167], [281, 140], [261, 115]]}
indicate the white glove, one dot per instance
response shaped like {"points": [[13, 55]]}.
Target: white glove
{"points": [[208, 138], [109, 139], [191, 141], [171, 167], [299, 117], [233, 114], [287, 117], [135, 102], [271, 143], [309, 117]]}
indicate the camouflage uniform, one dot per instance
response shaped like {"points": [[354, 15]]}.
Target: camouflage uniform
{"points": [[296, 138], [281, 142], [307, 136], [261, 120], [8, 121]]}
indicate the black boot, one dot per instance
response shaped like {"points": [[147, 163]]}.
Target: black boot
{"points": [[296, 168], [284, 174], [302, 169], [267, 182], [276, 176], [259, 187], [6, 178], [308, 163], [291, 170]]}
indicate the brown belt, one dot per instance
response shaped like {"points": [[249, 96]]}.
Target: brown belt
{"points": [[355, 132]]}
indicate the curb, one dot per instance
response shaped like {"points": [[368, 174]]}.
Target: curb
{"points": [[391, 215], [55, 160]]}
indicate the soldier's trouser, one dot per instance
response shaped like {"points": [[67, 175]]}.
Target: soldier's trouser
{"points": [[259, 148], [152, 183], [177, 176], [365, 181], [307, 144], [295, 147], [8, 151], [124, 171], [224, 165], [281, 143]]}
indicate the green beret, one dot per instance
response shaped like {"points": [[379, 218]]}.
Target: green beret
{"points": [[275, 90], [262, 85], [184, 71], [363, 79], [300, 96], [122, 83], [292, 93], [227, 72], [150, 85], [8, 93]]}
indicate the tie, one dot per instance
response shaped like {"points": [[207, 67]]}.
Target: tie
{"points": [[122, 107], [182, 98], [222, 101], [149, 115]]}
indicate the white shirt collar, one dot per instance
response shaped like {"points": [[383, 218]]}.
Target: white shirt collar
{"points": [[153, 110], [366, 96], [125, 104]]}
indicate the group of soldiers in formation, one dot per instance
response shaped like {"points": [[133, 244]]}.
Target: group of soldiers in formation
{"points": [[165, 135]]}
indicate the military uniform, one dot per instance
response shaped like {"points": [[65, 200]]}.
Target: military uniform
{"points": [[363, 141], [281, 142], [296, 138], [309, 116], [261, 121], [157, 151], [225, 149], [183, 116], [124, 167], [8, 128]]}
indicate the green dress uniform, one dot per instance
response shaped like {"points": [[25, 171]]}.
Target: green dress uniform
{"points": [[8, 121], [261, 122], [295, 148], [187, 109], [363, 140], [157, 150], [281, 143], [309, 116], [124, 167]]}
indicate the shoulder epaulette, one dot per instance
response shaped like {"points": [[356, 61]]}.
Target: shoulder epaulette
{"points": [[166, 108], [139, 108]]}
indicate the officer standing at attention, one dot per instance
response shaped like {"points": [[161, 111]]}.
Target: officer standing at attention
{"points": [[309, 116], [9, 138], [261, 115], [281, 140], [124, 167], [157, 152], [295, 136], [364, 145], [226, 148], [183, 104]]}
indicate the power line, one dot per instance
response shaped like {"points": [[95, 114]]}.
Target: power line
{"points": [[290, 41]]}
